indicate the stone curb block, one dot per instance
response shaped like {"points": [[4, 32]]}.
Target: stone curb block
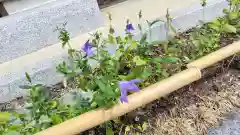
{"points": [[28, 31]]}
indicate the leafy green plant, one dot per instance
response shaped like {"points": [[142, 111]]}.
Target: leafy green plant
{"points": [[230, 23], [223, 25]]}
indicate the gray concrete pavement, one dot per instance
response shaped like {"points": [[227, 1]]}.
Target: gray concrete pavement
{"points": [[230, 126], [30, 30]]}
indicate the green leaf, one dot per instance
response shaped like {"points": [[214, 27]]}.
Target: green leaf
{"points": [[229, 28], [122, 77], [133, 46], [146, 73], [109, 131], [144, 126], [135, 72], [12, 133], [31, 124], [107, 90], [53, 104], [28, 77], [131, 75], [111, 30], [118, 39], [213, 26], [4, 116], [101, 85], [56, 119], [225, 10], [45, 119], [158, 68], [166, 60], [144, 38], [127, 129], [233, 15], [93, 105], [204, 3], [71, 52], [140, 128], [110, 38], [216, 22], [15, 126], [139, 61]]}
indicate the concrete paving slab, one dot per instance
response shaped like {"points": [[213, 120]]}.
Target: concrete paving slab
{"points": [[230, 126], [151, 9], [14, 6], [28, 31]]}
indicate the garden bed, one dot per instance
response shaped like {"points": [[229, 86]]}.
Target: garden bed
{"points": [[117, 71], [187, 111]]}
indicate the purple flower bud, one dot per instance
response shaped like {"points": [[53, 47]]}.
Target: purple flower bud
{"points": [[129, 28], [126, 86], [87, 48]]}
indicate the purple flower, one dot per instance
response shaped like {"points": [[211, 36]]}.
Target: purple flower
{"points": [[87, 48], [111, 51], [129, 28], [126, 86]]}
